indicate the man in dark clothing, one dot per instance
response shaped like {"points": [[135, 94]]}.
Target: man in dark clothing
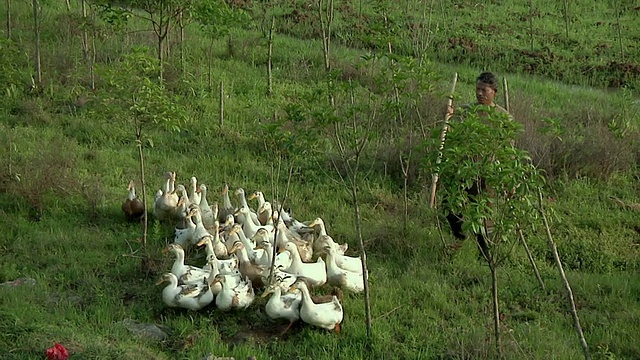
{"points": [[486, 90]]}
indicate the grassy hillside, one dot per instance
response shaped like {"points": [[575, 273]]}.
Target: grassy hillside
{"points": [[68, 151]]}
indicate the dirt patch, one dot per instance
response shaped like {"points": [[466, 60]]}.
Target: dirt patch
{"points": [[467, 45], [618, 74], [260, 333]]}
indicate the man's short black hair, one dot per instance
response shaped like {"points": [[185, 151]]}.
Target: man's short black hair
{"points": [[490, 79]]}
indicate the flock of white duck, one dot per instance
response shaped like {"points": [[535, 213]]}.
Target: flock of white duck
{"points": [[240, 242]]}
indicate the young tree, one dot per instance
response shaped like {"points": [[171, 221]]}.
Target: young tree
{"points": [[161, 14], [216, 18], [138, 99], [479, 151]]}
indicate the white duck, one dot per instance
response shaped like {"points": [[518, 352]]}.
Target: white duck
{"points": [[284, 236], [200, 231], [345, 279], [242, 200], [265, 213], [249, 244], [324, 239], [186, 273], [209, 212], [290, 222], [261, 239], [166, 201], [192, 297], [252, 271], [315, 273], [194, 195], [244, 214], [183, 235], [326, 315], [281, 306], [259, 196], [224, 265], [214, 244], [226, 208], [238, 297], [349, 263]]}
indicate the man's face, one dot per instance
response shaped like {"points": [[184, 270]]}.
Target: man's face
{"points": [[485, 93]]}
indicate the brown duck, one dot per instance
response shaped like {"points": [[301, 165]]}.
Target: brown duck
{"points": [[132, 207]]}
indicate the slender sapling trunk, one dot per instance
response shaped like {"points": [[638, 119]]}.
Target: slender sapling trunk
{"points": [[36, 55], [565, 282], [270, 57]]}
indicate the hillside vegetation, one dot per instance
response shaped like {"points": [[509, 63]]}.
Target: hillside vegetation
{"points": [[68, 146]]}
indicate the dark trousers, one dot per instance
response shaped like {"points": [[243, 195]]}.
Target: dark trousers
{"points": [[455, 222]]}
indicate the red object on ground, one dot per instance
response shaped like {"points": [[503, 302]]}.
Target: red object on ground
{"points": [[57, 352]]}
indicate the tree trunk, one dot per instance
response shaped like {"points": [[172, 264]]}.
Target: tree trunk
{"points": [[161, 56], [144, 190], [210, 65], [619, 29], [85, 41], [183, 64], [269, 58], [36, 56], [531, 22], [496, 307], [8, 19], [326, 20], [221, 114], [363, 254], [92, 60], [566, 19]]}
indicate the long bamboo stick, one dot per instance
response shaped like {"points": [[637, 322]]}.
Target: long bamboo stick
{"points": [[554, 250], [443, 135]]}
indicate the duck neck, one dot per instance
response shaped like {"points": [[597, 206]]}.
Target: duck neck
{"points": [[132, 193], [295, 256], [179, 256], [305, 294], [277, 292], [323, 230], [214, 271], [261, 200], [243, 256], [209, 247]]}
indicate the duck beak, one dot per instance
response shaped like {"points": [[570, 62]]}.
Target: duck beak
{"points": [[165, 250], [160, 281], [265, 294]]}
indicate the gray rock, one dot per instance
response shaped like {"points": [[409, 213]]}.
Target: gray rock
{"points": [[19, 282], [213, 357], [149, 331]]}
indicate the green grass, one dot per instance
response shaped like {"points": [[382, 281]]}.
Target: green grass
{"points": [[61, 223]]}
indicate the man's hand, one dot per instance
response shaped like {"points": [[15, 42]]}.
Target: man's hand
{"points": [[449, 112]]}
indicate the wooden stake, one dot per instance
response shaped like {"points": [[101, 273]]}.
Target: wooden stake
{"points": [[506, 94], [554, 250], [443, 135], [221, 103], [531, 260], [269, 58]]}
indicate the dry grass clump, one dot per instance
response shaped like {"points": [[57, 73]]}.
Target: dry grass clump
{"points": [[49, 170]]}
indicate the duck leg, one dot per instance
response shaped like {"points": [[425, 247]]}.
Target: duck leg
{"points": [[286, 329]]}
